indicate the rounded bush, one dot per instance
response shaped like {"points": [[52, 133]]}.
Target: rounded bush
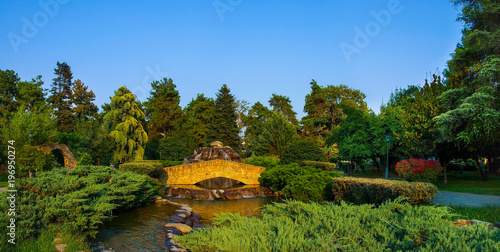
{"points": [[419, 170], [302, 150]]}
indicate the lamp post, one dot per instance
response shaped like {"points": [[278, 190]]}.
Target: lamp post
{"points": [[387, 139]]}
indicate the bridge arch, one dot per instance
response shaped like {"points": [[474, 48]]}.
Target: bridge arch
{"points": [[69, 157], [193, 173]]}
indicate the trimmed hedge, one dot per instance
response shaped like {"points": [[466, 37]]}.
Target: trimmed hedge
{"points": [[325, 166], [377, 191], [169, 163], [262, 161], [152, 168]]}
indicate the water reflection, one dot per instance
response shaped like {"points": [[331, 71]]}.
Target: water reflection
{"points": [[139, 229], [209, 208]]}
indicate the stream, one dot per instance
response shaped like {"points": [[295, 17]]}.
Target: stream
{"points": [[141, 229]]}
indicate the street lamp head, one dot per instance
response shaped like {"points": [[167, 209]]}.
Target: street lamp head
{"points": [[387, 138], [30, 134]]}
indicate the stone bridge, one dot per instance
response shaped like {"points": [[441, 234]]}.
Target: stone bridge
{"points": [[69, 158], [193, 173]]}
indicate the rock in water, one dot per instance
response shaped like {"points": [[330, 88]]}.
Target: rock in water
{"points": [[183, 228]]}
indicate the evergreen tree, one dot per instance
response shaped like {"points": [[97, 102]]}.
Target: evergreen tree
{"points": [[83, 100], [8, 89], [123, 122], [31, 94], [420, 134], [254, 122], [162, 108], [282, 104], [16, 93], [277, 133], [198, 115], [60, 97], [224, 127]]}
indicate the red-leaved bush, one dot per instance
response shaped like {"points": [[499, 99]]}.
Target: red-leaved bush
{"points": [[420, 170]]}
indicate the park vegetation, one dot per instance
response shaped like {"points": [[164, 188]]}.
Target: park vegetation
{"points": [[299, 226], [450, 118]]}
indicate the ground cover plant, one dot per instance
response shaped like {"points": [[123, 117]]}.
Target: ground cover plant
{"points": [[73, 202], [299, 226]]}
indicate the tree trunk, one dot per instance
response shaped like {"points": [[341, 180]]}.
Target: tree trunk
{"points": [[31, 173]]}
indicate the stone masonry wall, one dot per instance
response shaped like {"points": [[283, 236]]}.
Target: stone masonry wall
{"points": [[194, 173]]}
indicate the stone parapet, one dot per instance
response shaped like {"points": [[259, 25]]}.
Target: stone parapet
{"points": [[193, 173]]}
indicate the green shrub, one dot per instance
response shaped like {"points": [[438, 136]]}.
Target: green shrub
{"points": [[302, 150], [173, 148], [76, 201], [325, 166], [152, 168], [263, 161], [168, 163], [419, 170], [299, 226], [377, 191], [303, 183]]}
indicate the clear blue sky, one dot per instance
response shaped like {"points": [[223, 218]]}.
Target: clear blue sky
{"points": [[256, 47]]}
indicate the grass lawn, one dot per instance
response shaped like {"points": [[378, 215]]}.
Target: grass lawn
{"points": [[470, 183], [3, 180], [467, 183], [489, 214]]}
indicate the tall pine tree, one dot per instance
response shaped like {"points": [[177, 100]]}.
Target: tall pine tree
{"points": [[83, 100], [198, 116], [60, 97], [163, 110], [123, 122], [281, 103], [224, 126]]}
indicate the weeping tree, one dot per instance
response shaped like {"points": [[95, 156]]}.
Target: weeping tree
{"points": [[123, 122]]}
